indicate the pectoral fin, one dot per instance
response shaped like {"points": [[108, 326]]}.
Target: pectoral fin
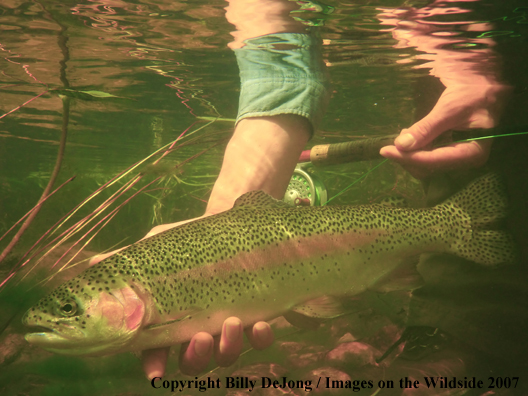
{"points": [[310, 314], [302, 321], [180, 318]]}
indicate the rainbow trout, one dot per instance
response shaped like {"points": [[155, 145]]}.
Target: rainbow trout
{"points": [[257, 261]]}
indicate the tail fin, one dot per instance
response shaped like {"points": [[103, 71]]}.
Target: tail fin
{"points": [[485, 202]]}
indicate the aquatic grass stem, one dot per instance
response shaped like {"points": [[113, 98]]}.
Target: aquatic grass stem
{"points": [[124, 188], [82, 223], [21, 263], [97, 211], [23, 104], [38, 204], [53, 228], [167, 148], [65, 235], [62, 40], [109, 183], [53, 177], [108, 217], [72, 230]]}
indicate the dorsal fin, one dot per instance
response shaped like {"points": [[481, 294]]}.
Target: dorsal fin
{"points": [[259, 199]]}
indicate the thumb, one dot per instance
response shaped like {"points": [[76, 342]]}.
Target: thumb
{"points": [[442, 118], [420, 134]]}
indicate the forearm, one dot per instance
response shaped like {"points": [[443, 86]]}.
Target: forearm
{"points": [[261, 155]]}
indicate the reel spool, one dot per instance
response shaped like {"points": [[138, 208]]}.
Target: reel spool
{"points": [[305, 189]]}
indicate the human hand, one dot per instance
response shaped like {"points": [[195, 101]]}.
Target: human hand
{"points": [[459, 107], [473, 97], [195, 355]]}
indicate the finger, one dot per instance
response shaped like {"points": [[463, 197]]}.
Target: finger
{"points": [[231, 341], [391, 152], [195, 357], [154, 362], [456, 156], [260, 335]]}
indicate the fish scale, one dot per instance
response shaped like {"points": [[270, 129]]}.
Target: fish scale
{"points": [[257, 261]]}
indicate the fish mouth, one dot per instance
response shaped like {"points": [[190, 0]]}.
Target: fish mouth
{"points": [[43, 336], [62, 344]]}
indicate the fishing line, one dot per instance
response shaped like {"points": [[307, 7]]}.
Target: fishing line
{"points": [[489, 137], [356, 181], [441, 145]]}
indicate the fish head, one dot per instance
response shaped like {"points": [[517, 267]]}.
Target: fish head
{"points": [[78, 319]]}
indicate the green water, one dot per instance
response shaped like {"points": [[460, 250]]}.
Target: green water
{"points": [[169, 69]]}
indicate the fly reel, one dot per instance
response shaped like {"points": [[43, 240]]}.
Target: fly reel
{"points": [[305, 189]]}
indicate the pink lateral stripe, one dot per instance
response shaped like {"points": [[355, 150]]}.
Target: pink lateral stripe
{"points": [[288, 251]]}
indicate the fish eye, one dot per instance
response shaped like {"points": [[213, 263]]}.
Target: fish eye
{"points": [[68, 309]]}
